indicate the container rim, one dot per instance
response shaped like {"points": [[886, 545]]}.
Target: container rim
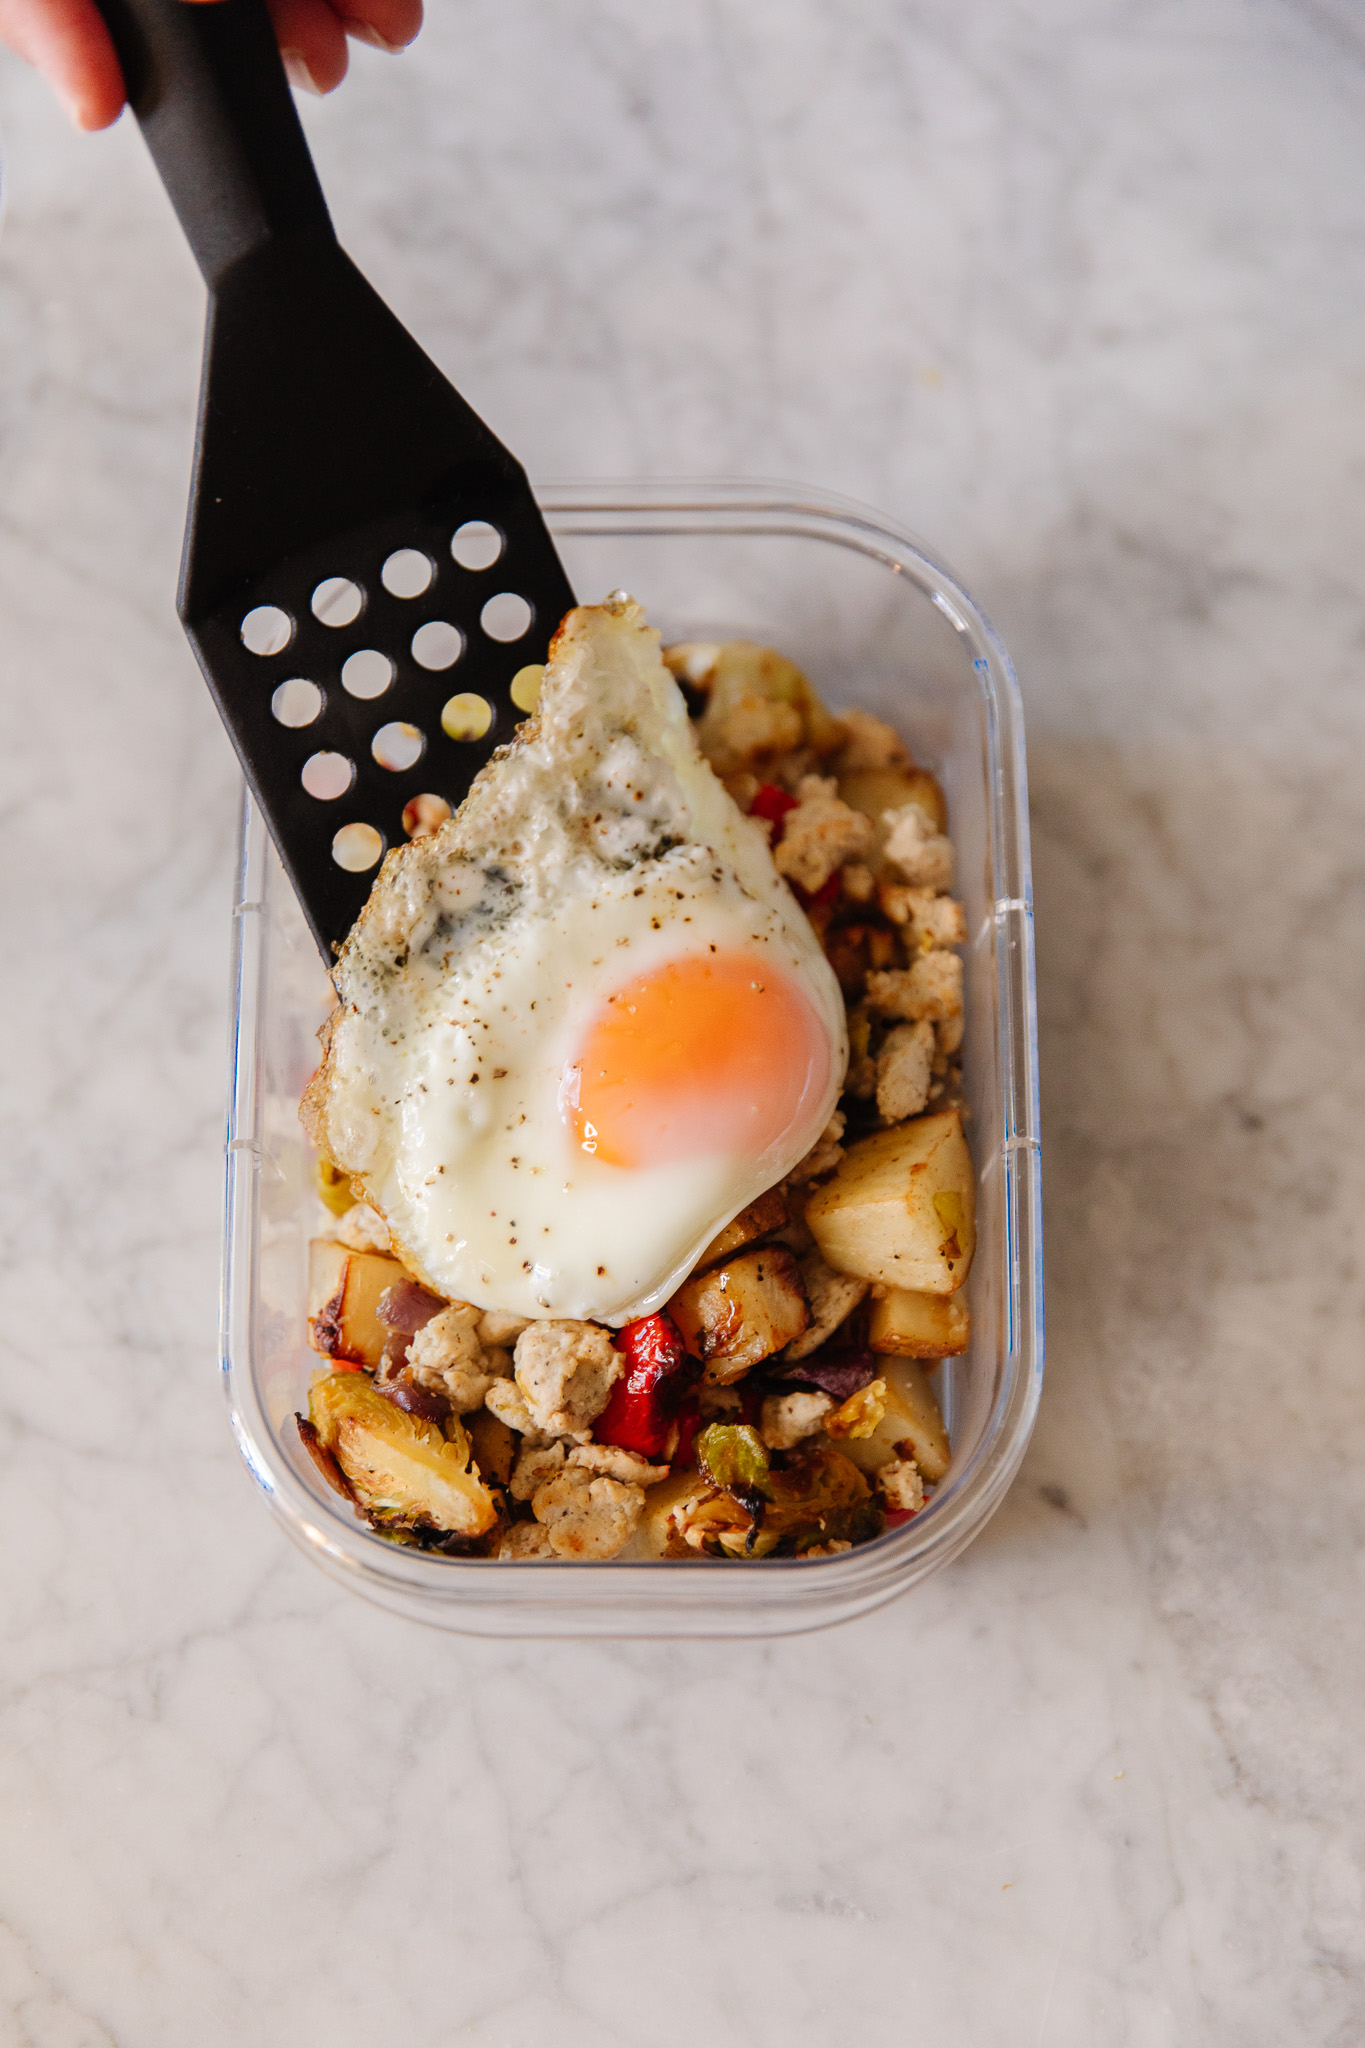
{"points": [[702, 1597]]}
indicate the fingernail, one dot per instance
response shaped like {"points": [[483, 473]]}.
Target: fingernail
{"points": [[298, 74], [365, 32]]}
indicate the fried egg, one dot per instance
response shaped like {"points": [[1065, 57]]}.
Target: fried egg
{"points": [[585, 1022]]}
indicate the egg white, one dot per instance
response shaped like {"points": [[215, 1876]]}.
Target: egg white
{"points": [[596, 848]]}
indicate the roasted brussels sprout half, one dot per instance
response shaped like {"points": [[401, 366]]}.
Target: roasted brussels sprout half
{"points": [[734, 1457], [813, 1499], [817, 1497], [402, 1471]]}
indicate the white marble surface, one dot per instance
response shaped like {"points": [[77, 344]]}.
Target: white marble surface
{"points": [[1078, 291]]}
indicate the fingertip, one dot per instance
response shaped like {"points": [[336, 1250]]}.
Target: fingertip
{"points": [[90, 120], [99, 98], [297, 72], [308, 76], [92, 111], [68, 42], [389, 25], [311, 43]]}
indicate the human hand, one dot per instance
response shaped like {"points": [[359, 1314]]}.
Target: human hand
{"points": [[68, 42]]}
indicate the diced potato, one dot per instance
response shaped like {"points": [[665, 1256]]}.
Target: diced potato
{"points": [[653, 1536], [769, 1212], [885, 789], [344, 1290], [403, 1471], [911, 1325], [738, 669], [693, 662], [874, 790], [901, 1207], [911, 1425], [494, 1445], [741, 1312]]}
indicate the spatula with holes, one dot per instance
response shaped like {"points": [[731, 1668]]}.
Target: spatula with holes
{"points": [[366, 572]]}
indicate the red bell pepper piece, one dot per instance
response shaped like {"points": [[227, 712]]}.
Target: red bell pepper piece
{"points": [[772, 805], [687, 1424], [644, 1402], [653, 1346], [823, 898]]}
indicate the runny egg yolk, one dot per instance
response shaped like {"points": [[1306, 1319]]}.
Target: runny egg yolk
{"points": [[711, 1053]]}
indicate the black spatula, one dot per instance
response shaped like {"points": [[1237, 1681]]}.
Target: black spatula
{"points": [[341, 487]]}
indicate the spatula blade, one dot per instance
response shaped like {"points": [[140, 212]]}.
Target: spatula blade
{"points": [[331, 451]]}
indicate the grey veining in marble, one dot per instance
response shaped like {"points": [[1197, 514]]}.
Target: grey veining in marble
{"points": [[1079, 291]]}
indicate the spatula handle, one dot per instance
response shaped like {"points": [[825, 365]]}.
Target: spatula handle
{"points": [[211, 97]]}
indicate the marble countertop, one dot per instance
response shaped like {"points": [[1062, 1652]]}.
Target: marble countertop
{"points": [[1078, 293]]}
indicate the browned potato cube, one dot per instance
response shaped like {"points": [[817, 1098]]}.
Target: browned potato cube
{"points": [[740, 1313], [901, 1207], [769, 1212], [655, 1535], [737, 672], [911, 1325], [344, 1288], [874, 790], [911, 1426]]}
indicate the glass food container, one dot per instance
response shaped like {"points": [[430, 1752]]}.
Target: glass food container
{"points": [[875, 622]]}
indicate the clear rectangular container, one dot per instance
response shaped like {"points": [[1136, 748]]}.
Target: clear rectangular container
{"points": [[876, 622]]}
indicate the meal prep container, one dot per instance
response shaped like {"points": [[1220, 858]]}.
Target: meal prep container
{"points": [[875, 622]]}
